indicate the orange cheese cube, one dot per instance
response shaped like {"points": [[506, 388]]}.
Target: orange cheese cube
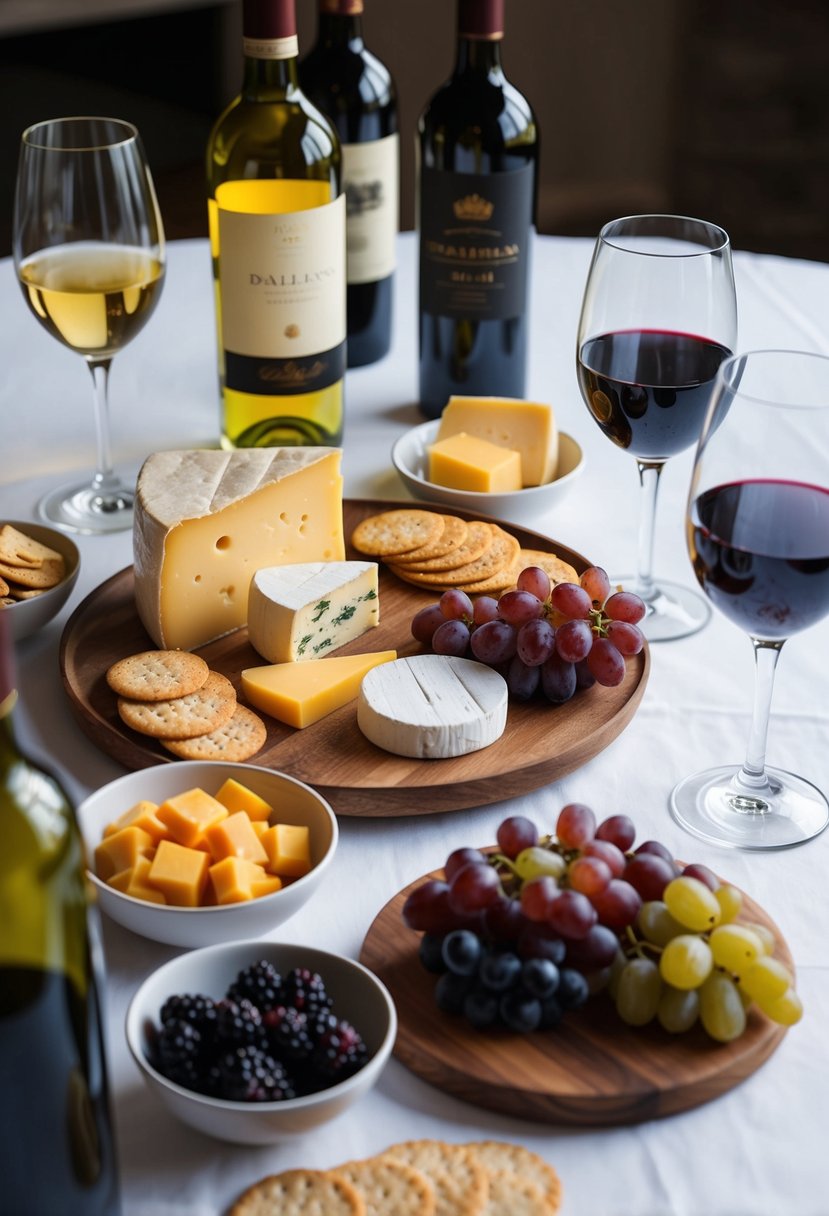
{"points": [[288, 847], [142, 815], [260, 826], [121, 880], [120, 850], [466, 462], [232, 879], [266, 885], [237, 797], [180, 874], [139, 883], [235, 837], [189, 815]]}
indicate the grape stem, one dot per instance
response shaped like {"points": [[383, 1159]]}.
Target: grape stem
{"points": [[638, 945]]}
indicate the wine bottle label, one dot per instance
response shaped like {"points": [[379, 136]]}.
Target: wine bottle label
{"points": [[271, 48], [370, 175], [282, 286], [475, 242]]}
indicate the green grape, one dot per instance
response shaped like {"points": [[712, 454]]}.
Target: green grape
{"points": [[765, 935], [720, 1009], [616, 967], [730, 901], [692, 903], [656, 924], [686, 961], [735, 947], [786, 1009], [766, 980], [638, 992], [537, 862], [678, 1009]]}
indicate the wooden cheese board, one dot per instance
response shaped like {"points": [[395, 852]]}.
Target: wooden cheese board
{"points": [[590, 1071], [541, 743]]}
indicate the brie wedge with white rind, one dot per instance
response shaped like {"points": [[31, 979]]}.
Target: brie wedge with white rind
{"points": [[307, 610], [432, 706]]}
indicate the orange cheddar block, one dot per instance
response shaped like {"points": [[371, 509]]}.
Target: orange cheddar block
{"points": [[120, 851], [266, 885], [121, 880], [142, 815], [139, 886], [260, 827], [237, 797], [181, 874], [466, 462], [288, 847], [189, 815], [235, 837], [232, 879]]}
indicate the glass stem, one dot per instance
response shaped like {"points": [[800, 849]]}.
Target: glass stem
{"points": [[752, 776], [107, 488], [649, 474]]}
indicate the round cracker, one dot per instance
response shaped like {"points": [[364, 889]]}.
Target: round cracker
{"points": [[397, 531], [300, 1193], [454, 533], [200, 712], [390, 1187], [477, 541], [500, 1155], [158, 675], [512, 1195], [239, 738], [460, 1181], [499, 557]]}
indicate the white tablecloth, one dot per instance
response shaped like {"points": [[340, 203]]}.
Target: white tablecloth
{"points": [[757, 1151]]}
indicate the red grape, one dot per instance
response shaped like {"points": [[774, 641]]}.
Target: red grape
{"points": [[657, 848], [460, 858], [697, 870], [484, 609], [536, 581], [538, 896], [576, 824], [452, 637], [649, 874], [571, 599], [606, 664], [595, 950], [618, 904], [612, 856], [455, 604], [504, 921], [535, 642], [425, 622], [515, 834], [595, 582], [517, 607], [619, 830], [558, 679], [474, 888], [627, 638], [589, 875], [625, 606], [522, 681], [572, 915], [574, 640], [494, 642], [427, 908], [584, 676]]}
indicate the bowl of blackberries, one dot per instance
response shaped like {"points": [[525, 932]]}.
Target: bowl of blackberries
{"points": [[256, 1042]]}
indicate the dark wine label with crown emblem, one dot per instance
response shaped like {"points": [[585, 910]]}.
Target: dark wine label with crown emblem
{"points": [[475, 243]]}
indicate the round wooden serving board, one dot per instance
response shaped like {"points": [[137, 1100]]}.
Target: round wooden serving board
{"points": [[590, 1071], [541, 743]]}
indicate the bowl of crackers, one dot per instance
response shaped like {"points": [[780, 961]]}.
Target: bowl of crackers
{"points": [[39, 566], [206, 851], [528, 505], [256, 1042]]}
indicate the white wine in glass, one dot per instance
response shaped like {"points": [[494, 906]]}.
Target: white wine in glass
{"points": [[88, 248]]}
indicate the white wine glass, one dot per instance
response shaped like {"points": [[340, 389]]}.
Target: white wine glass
{"points": [[758, 537], [88, 247], [658, 317]]}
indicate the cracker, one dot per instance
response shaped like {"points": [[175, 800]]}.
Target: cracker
{"points": [[48, 573], [17, 592], [451, 538], [559, 570], [502, 580], [300, 1193], [396, 531], [497, 1155], [183, 717], [238, 739], [477, 541], [19, 549], [460, 1182], [158, 675], [499, 557], [6, 601], [4, 587], [389, 1187]]}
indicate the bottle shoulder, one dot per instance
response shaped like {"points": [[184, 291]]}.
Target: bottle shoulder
{"points": [[271, 135], [341, 78], [474, 108]]}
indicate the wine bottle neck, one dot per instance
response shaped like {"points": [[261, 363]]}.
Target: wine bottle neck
{"points": [[340, 29], [269, 45], [480, 31], [273, 78], [478, 55]]}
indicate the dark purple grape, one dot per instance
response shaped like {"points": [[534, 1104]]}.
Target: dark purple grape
{"points": [[595, 950], [452, 638], [558, 679], [572, 600], [522, 681], [572, 915], [459, 858], [574, 641], [540, 941], [484, 609], [605, 662], [618, 904], [619, 830], [474, 888], [494, 642], [535, 643], [518, 607], [627, 638], [657, 848], [455, 604], [584, 676], [425, 622], [649, 874]]}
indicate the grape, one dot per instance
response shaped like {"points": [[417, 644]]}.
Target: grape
{"points": [[522, 681], [692, 904], [452, 637], [571, 600], [540, 977], [572, 989], [656, 924], [638, 992], [608, 853], [536, 862], [520, 1012], [518, 607], [720, 1009], [730, 901], [538, 896], [504, 921], [735, 947], [535, 642], [572, 915], [425, 622], [430, 952], [516, 834], [576, 824], [455, 604], [677, 1010], [494, 642], [628, 639], [461, 952], [616, 967], [618, 904], [606, 664], [427, 908], [595, 582], [451, 992], [558, 679], [536, 581], [584, 676], [764, 934], [765, 980], [625, 606], [649, 874], [498, 972], [686, 961], [655, 848], [595, 951], [484, 609], [539, 941], [459, 858], [474, 888], [589, 875], [480, 1009], [786, 1009], [696, 870], [619, 830], [574, 641]]}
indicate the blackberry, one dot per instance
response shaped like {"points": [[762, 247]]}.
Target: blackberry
{"points": [[199, 1010], [250, 1074], [338, 1051], [238, 1023], [260, 984], [179, 1054], [288, 1033], [305, 990]]}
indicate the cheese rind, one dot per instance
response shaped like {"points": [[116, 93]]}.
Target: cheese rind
{"points": [[302, 693], [467, 462], [527, 426], [432, 706], [308, 609], [205, 521]]}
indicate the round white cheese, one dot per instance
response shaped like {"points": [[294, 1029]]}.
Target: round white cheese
{"points": [[432, 706]]}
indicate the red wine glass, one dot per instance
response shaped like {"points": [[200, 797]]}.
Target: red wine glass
{"points": [[758, 537], [659, 316]]}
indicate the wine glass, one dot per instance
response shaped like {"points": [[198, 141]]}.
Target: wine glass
{"points": [[88, 249], [659, 316], [758, 536]]}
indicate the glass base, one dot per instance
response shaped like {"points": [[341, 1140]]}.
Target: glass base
{"points": [[715, 806], [87, 508], [675, 611]]}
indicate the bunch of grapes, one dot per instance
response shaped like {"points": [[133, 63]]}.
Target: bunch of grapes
{"points": [[556, 639], [599, 915]]}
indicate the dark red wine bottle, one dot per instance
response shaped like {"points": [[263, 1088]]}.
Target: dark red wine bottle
{"points": [[356, 92], [478, 145]]}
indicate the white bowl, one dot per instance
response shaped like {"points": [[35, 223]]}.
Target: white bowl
{"points": [[410, 456], [27, 616], [358, 996], [293, 802]]}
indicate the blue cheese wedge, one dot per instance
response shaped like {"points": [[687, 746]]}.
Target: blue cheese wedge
{"points": [[432, 706], [307, 610]]}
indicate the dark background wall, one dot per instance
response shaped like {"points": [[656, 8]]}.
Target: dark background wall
{"points": [[692, 106]]}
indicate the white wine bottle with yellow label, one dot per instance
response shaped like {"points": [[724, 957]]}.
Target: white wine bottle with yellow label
{"points": [[277, 236]]}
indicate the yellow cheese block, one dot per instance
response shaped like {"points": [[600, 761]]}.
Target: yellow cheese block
{"points": [[139, 886], [288, 848], [142, 815], [206, 521], [465, 462], [120, 851], [237, 797], [180, 874], [527, 426], [302, 693], [235, 837], [189, 815], [232, 879]]}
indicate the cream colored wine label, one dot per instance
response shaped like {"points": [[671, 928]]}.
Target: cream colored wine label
{"points": [[370, 174]]}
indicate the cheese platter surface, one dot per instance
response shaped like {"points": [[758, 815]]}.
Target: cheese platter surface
{"points": [[541, 742]]}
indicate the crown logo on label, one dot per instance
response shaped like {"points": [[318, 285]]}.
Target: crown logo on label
{"points": [[473, 207]]}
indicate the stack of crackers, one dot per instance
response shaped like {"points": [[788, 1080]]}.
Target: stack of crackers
{"points": [[174, 697], [27, 568], [436, 551], [415, 1178]]}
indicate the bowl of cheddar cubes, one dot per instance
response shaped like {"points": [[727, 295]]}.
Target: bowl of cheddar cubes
{"points": [[205, 851], [497, 456]]}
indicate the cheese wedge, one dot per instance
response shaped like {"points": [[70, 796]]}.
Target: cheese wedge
{"points": [[206, 521], [432, 706], [302, 693], [467, 462], [306, 610], [527, 426]]}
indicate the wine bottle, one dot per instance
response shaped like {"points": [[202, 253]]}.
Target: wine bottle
{"points": [[357, 92], [277, 233], [57, 1152], [478, 154]]}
